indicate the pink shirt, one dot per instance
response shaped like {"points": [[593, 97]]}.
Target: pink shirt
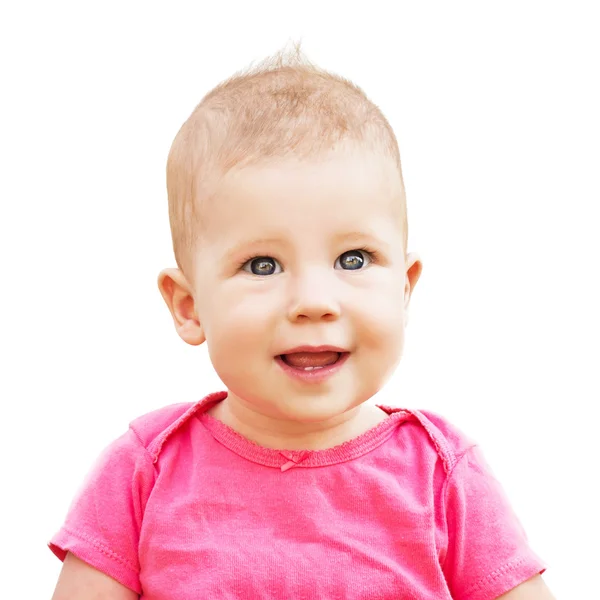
{"points": [[182, 507]]}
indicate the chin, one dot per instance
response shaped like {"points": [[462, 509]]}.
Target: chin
{"points": [[315, 409]]}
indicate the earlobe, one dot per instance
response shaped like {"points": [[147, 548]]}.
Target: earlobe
{"points": [[177, 294]]}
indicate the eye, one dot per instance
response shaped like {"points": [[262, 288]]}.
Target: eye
{"points": [[262, 265], [353, 260]]}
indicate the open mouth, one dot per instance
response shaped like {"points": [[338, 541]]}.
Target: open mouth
{"points": [[311, 361], [311, 365]]}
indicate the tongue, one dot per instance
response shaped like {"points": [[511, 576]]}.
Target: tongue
{"points": [[302, 360]]}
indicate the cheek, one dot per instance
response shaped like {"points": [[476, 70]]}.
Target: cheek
{"points": [[238, 323], [381, 342], [382, 317]]}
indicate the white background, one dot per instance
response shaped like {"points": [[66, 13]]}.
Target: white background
{"points": [[495, 106]]}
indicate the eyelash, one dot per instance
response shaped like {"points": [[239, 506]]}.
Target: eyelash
{"points": [[373, 255]]}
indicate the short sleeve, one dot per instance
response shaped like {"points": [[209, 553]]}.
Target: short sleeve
{"points": [[103, 523], [488, 553]]}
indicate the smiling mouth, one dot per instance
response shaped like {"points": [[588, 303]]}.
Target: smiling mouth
{"points": [[311, 361]]}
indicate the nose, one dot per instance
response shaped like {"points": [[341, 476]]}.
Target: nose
{"points": [[314, 297]]}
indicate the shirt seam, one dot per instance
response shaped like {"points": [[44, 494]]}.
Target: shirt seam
{"points": [[103, 549], [146, 452], [445, 487], [155, 445], [494, 575], [275, 458]]}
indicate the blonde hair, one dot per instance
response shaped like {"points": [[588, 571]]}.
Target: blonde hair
{"points": [[283, 106]]}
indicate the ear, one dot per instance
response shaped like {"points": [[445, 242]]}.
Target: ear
{"points": [[177, 294], [414, 268]]}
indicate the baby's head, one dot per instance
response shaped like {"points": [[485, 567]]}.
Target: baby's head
{"points": [[289, 227]]}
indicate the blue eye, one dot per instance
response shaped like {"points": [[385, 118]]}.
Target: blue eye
{"points": [[262, 265], [353, 260]]}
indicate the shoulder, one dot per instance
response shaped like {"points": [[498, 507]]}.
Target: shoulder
{"points": [[154, 428], [448, 442]]}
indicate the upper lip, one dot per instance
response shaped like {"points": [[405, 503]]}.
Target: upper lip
{"points": [[314, 349]]}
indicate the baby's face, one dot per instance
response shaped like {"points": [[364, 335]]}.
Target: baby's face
{"points": [[305, 255]]}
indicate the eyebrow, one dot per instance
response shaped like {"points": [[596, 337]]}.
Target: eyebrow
{"points": [[357, 237], [247, 245], [360, 236]]}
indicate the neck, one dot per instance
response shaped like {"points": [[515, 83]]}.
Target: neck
{"points": [[271, 432]]}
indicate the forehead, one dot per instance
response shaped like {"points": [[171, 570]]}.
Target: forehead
{"points": [[332, 194]]}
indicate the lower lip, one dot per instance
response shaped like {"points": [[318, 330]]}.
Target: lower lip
{"points": [[316, 375]]}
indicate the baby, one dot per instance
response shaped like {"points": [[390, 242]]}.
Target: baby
{"points": [[288, 217]]}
